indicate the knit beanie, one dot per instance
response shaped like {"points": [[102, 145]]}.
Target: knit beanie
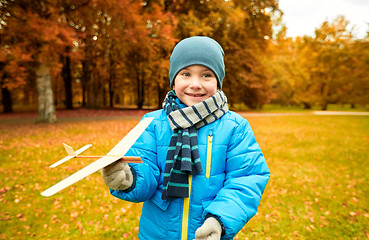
{"points": [[197, 50]]}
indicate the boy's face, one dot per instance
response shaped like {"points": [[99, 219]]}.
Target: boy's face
{"points": [[194, 84]]}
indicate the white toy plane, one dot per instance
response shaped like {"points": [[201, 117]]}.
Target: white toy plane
{"points": [[117, 153]]}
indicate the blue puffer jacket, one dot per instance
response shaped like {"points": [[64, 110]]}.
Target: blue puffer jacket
{"points": [[230, 186]]}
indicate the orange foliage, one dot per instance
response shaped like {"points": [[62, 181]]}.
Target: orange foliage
{"points": [[121, 48]]}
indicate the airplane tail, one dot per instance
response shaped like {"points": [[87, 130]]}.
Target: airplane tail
{"points": [[69, 150], [71, 154]]}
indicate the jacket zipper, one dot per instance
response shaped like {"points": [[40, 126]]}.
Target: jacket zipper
{"points": [[186, 201], [186, 210], [208, 156]]}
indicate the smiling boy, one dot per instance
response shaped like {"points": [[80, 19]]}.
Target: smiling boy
{"points": [[203, 173]]}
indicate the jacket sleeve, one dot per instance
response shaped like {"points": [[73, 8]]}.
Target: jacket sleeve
{"points": [[246, 177], [146, 174]]}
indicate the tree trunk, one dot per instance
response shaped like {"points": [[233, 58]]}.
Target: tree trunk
{"points": [[46, 109], [139, 96], [85, 77], [306, 105], [6, 97], [324, 106], [111, 80], [67, 77], [140, 87], [7, 100], [111, 92], [92, 82], [94, 92], [161, 95]]}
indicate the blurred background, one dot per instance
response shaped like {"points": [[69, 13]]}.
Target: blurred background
{"points": [[115, 53], [99, 65]]}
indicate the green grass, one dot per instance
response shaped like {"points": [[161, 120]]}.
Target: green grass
{"points": [[318, 188]]}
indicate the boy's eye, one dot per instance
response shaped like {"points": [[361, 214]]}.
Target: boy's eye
{"points": [[207, 75], [186, 74]]}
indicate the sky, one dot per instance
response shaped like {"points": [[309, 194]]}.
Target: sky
{"points": [[302, 17]]}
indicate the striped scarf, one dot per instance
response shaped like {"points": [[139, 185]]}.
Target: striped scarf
{"points": [[183, 154]]}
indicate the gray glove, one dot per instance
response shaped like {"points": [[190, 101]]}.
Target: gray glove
{"points": [[117, 176], [210, 230]]}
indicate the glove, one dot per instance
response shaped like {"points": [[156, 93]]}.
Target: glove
{"points": [[210, 230], [117, 176]]}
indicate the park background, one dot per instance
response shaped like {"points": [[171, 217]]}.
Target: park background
{"points": [[90, 69]]}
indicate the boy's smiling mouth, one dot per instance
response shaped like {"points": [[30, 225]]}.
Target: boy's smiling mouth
{"points": [[195, 95]]}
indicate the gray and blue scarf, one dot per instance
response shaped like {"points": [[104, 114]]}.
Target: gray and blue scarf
{"points": [[183, 156]]}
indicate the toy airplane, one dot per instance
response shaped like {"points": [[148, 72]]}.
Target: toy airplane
{"points": [[75, 154], [115, 154]]}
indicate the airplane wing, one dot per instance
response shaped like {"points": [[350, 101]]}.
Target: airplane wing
{"points": [[61, 161], [84, 172], [82, 149], [118, 151]]}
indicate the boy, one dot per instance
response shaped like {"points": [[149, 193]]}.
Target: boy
{"points": [[203, 173]]}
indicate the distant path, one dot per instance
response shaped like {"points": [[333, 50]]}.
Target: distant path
{"points": [[135, 113], [340, 113], [328, 113]]}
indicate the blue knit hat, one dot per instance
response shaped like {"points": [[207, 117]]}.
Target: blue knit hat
{"points": [[197, 51]]}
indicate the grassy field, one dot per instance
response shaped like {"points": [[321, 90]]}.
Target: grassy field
{"points": [[318, 189]]}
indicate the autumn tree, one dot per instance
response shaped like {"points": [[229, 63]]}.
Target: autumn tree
{"points": [[327, 68], [356, 89], [91, 22], [71, 54], [13, 59], [246, 47], [37, 28], [120, 40], [243, 29], [13, 72], [161, 24], [333, 60], [118, 54], [328, 61], [284, 68]]}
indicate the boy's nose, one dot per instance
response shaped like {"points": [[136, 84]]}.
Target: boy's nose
{"points": [[195, 83]]}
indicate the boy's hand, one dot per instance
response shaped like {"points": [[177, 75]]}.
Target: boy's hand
{"points": [[210, 230], [117, 176]]}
